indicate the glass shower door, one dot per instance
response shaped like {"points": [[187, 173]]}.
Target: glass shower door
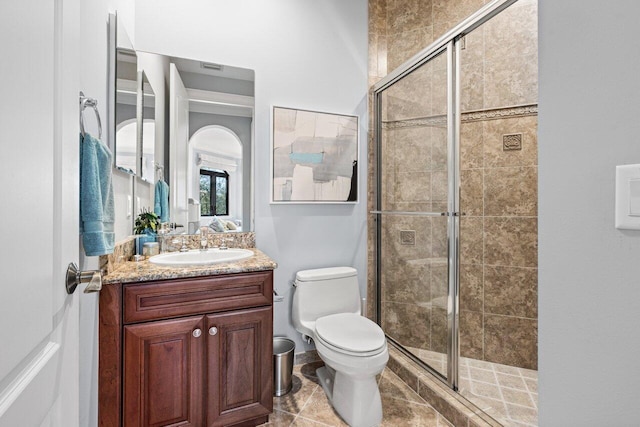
{"points": [[415, 128]]}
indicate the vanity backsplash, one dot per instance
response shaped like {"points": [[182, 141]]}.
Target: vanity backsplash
{"points": [[124, 250]]}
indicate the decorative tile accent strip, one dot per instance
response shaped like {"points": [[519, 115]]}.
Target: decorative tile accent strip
{"points": [[471, 116], [433, 121], [408, 237], [512, 142], [500, 113]]}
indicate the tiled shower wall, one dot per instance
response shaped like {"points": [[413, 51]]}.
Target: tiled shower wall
{"points": [[498, 187]]}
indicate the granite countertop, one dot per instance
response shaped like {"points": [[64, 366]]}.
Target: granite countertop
{"points": [[143, 271]]}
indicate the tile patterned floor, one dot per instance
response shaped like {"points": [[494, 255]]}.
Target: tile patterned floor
{"points": [[507, 393], [306, 405]]}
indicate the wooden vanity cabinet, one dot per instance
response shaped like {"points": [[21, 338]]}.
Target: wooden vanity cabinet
{"points": [[187, 352]]}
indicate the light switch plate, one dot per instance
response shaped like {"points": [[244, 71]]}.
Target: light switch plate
{"points": [[628, 197]]}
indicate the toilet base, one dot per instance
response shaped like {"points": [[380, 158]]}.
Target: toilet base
{"points": [[357, 400]]}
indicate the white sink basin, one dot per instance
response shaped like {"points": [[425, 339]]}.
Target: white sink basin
{"points": [[197, 257]]}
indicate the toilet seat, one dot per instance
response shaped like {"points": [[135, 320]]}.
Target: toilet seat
{"points": [[350, 334]]}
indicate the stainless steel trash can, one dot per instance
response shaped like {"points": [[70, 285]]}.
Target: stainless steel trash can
{"points": [[283, 349]]}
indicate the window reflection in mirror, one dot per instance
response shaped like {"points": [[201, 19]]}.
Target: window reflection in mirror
{"points": [[214, 192]]}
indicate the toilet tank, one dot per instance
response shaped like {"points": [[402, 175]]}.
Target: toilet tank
{"points": [[322, 292]]}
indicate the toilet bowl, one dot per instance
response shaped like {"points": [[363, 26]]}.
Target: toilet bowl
{"points": [[326, 308]]}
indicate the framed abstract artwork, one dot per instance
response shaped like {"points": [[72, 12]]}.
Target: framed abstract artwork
{"points": [[314, 157]]}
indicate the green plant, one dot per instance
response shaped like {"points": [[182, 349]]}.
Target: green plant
{"points": [[146, 220]]}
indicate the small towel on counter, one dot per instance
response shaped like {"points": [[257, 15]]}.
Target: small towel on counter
{"points": [[96, 197], [161, 201]]}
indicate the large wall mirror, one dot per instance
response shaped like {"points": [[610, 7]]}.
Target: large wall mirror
{"points": [[133, 133], [188, 123], [210, 143]]}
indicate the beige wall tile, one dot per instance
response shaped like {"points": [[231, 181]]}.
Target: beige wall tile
{"points": [[471, 86], [378, 16], [471, 145], [439, 154], [407, 15], [439, 185], [471, 192], [493, 131], [439, 233], [396, 317], [413, 282], [438, 330], [471, 247], [471, 287], [402, 46], [511, 291], [413, 187], [514, 32], [412, 148], [474, 47], [511, 341], [511, 191], [515, 83], [471, 334], [511, 241], [447, 13]]}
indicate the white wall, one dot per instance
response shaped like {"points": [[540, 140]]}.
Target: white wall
{"points": [[589, 290], [93, 81], [306, 54]]}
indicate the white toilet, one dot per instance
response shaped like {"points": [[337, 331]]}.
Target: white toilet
{"points": [[326, 308]]}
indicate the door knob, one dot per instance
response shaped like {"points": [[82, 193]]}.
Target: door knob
{"points": [[75, 277]]}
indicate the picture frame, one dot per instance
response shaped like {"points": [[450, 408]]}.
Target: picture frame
{"points": [[314, 156]]}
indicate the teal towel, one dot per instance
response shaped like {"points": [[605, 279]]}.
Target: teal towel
{"points": [[161, 201], [96, 197]]}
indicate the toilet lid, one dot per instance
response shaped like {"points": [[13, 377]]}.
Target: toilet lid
{"points": [[350, 332]]}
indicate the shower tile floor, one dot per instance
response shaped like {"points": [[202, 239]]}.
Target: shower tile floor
{"points": [[306, 405], [507, 393]]}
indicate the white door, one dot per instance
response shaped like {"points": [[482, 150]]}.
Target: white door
{"points": [[38, 212], [180, 166]]}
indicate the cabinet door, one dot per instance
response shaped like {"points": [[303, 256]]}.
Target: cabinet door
{"points": [[240, 379], [163, 370]]}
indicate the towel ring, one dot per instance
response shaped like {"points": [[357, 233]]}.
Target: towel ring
{"points": [[93, 103]]}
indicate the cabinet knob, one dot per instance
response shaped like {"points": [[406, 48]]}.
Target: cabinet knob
{"points": [[213, 330], [197, 332]]}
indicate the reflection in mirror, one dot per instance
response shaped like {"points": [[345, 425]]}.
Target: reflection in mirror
{"points": [[210, 140], [125, 141], [148, 138]]}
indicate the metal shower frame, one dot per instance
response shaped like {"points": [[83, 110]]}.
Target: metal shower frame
{"points": [[450, 45]]}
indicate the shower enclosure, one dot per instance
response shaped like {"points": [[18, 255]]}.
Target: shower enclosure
{"points": [[456, 196]]}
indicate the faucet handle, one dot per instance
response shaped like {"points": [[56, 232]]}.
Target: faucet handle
{"points": [[184, 247], [223, 245], [204, 238]]}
